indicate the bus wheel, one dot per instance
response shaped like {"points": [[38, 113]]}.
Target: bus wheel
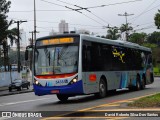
{"points": [[62, 98], [143, 83], [138, 85], [102, 89]]}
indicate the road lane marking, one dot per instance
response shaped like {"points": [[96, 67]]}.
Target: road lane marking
{"points": [[102, 105], [138, 109], [13, 103], [114, 105], [105, 117]]}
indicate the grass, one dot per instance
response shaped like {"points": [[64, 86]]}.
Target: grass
{"points": [[149, 101], [156, 71]]}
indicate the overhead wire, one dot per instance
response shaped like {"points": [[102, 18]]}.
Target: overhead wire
{"points": [[52, 3], [86, 8], [99, 5], [81, 8], [143, 24], [145, 11], [113, 4], [149, 27], [40, 11], [77, 10], [73, 10], [56, 22]]}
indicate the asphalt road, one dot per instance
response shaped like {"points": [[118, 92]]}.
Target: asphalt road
{"points": [[30, 102]]}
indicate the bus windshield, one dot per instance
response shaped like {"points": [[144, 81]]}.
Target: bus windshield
{"points": [[59, 59]]}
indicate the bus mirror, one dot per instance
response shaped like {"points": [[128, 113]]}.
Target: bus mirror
{"points": [[26, 55]]}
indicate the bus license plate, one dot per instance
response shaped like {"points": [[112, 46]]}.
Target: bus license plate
{"points": [[55, 91]]}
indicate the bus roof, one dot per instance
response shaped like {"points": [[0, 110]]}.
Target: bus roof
{"points": [[101, 40], [115, 42]]}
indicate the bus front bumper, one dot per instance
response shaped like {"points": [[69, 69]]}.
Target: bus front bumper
{"points": [[74, 89]]}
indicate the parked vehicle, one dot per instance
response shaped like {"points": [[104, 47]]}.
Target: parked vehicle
{"points": [[19, 84]]}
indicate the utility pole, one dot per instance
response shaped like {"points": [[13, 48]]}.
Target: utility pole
{"points": [[33, 39], [35, 20], [32, 44], [32, 32], [126, 14], [18, 43]]}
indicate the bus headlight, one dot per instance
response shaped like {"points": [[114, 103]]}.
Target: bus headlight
{"points": [[37, 83], [74, 80]]}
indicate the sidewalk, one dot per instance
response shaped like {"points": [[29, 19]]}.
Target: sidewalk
{"points": [[4, 91]]}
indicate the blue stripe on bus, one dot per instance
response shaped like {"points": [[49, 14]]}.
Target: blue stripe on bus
{"points": [[123, 81], [75, 88], [120, 86]]}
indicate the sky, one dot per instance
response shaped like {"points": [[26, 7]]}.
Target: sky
{"points": [[49, 13]]}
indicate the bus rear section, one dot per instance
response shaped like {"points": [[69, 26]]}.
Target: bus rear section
{"points": [[56, 67]]}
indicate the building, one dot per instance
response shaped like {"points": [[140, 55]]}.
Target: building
{"points": [[63, 27], [53, 33], [23, 41]]}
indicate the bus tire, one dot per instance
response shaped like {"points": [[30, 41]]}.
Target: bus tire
{"points": [[102, 89], [138, 85], [62, 98], [143, 83]]}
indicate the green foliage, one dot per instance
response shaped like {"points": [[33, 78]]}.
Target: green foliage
{"points": [[138, 38], [125, 27], [154, 38], [12, 35], [112, 33], [149, 101], [156, 71], [157, 19], [150, 45], [4, 8]]}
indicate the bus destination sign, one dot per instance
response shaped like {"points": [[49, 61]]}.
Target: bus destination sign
{"points": [[55, 41]]}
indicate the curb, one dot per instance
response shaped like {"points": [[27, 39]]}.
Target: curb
{"points": [[13, 93], [3, 88]]}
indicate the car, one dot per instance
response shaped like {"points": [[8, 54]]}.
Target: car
{"points": [[19, 84]]}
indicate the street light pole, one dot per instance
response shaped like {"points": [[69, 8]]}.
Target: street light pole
{"points": [[34, 38], [18, 43], [126, 14]]}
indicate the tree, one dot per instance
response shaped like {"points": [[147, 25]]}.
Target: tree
{"points": [[4, 24], [125, 28], [4, 9], [138, 38], [112, 33], [12, 35], [154, 38], [157, 19]]}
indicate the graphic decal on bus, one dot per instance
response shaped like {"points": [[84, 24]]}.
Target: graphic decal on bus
{"points": [[118, 54]]}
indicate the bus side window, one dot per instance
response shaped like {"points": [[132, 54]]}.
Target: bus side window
{"points": [[86, 57]]}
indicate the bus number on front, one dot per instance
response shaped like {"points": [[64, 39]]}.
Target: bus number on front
{"points": [[61, 81]]}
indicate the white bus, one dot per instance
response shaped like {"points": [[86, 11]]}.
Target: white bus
{"points": [[76, 64]]}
